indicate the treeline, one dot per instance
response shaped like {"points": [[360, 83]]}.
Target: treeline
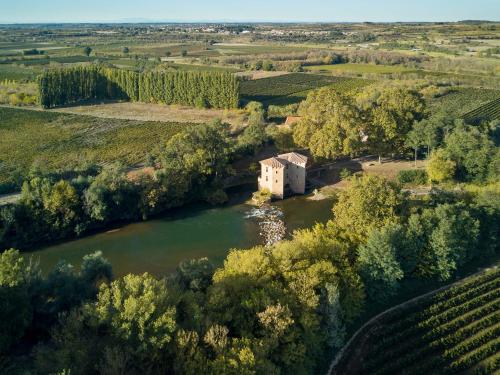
{"points": [[203, 89], [280, 309]]}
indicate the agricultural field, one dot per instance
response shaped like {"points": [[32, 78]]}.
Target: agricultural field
{"points": [[17, 73], [489, 111], [292, 88], [456, 330], [359, 69], [461, 101], [58, 142]]}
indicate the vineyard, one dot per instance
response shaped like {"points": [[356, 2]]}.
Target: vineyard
{"points": [[57, 142], [489, 111], [463, 100], [454, 331], [293, 88]]}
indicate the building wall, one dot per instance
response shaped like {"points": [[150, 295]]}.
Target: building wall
{"points": [[295, 177], [272, 180]]}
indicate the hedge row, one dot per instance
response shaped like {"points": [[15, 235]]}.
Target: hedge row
{"points": [[203, 89]]}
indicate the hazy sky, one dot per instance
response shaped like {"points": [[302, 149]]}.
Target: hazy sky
{"points": [[16, 11]]}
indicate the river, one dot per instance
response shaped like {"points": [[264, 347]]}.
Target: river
{"points": [[158, 246]]}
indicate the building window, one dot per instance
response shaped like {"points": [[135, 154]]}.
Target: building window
{"points": [[267, 178], [276, 172], [276, 181], [266, 169]]}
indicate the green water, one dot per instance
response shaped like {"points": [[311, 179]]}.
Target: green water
{"points": [[157, 246]]}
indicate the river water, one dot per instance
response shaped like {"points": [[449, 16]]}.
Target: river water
{"points": [[158, 246]]}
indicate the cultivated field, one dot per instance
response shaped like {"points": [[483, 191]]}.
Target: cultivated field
{"points": [[359, 69], [293, 88], [461, 101], [456, 331], [57, 142]]}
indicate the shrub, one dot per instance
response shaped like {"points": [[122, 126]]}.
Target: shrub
{"points": [[413, 177], [345, 174]]}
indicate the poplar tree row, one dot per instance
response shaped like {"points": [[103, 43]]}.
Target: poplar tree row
{"points": [[202, 89]]}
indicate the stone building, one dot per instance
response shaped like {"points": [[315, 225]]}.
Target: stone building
{"points": [[284, 174]]}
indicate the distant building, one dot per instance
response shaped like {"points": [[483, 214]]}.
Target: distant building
{"points": [[283, 175]]}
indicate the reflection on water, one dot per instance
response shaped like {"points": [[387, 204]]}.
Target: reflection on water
{"points": [[158, 246]]}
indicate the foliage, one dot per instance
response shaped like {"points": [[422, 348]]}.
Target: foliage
{"points": [[370, 203], [331, 125], [412, 177], [391, 112], [64, 86], [378, 262], [439, 167], [471, 150]]}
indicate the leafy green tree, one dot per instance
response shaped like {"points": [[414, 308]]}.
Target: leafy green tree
{"points": [[331, 125], [378, 262], [371, 202], [440, 168], [140, 313], [15, 308], [111, 196], [392, 112], [63, 206], [471, 150], [126, 50], [439, 239]]}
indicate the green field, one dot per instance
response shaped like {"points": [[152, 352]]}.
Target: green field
{"points": [[17, 73], [359, 69], [293, 88], [454, 331], [59, 142]]}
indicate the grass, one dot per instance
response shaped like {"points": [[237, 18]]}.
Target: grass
{"points": [[453, 331], [59, 142]]}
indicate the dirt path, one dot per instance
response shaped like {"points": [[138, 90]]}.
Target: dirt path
{"points": [[357, 336]]}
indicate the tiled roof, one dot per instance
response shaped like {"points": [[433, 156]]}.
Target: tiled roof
{"points": [[294, 157], [273, 162]]}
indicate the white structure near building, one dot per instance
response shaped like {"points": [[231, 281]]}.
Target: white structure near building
{"points": [[283, 175]]}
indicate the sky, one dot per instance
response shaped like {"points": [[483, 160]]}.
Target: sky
{"points": [[46, 11]]}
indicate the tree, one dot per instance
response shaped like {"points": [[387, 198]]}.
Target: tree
{"points": [[87, 51], [184, 53], [126, 50], [378, 262], [391, 112], [440, 168], [63, 205], [471, 150], [439, 239], [371, 202], [139, 312], [331, 125], [15, 308]]}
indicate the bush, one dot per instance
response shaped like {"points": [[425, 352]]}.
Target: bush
{"points": [[413, 177], [345, 174]]}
